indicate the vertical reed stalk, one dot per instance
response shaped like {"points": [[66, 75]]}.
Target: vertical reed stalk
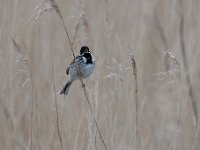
{"points": [[134, 67]]}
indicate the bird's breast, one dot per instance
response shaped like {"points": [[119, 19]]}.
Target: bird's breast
{"points": [[87, 70]]}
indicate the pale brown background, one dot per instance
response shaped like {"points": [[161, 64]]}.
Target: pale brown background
{"points": [[114, 30]]}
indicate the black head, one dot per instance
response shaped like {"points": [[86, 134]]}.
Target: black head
{"points": [[84, 49], [88, 57]]}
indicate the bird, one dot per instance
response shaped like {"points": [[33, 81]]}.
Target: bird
{"points": [[81, 67]]}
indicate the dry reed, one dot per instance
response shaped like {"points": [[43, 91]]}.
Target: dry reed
{"points": [[134, 67], [49, 5], [185, 63]]}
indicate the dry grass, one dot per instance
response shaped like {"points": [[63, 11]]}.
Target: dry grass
{"points": [[150, 101], [134, 67]]}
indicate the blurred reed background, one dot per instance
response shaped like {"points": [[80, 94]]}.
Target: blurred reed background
{"points": [[144, 92]]}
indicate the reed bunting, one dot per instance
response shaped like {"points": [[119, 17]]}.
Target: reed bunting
{"points": [[82, 66]]}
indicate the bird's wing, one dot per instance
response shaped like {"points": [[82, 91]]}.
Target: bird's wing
{"points": [[73, 62], [67, 71]]}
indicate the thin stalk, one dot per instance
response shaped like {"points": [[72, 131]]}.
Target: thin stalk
{"points": [[134, 67], [55, 6], [56, 104]]}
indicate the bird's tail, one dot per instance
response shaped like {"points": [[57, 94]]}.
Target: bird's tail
{"points": [[66, 88]]}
